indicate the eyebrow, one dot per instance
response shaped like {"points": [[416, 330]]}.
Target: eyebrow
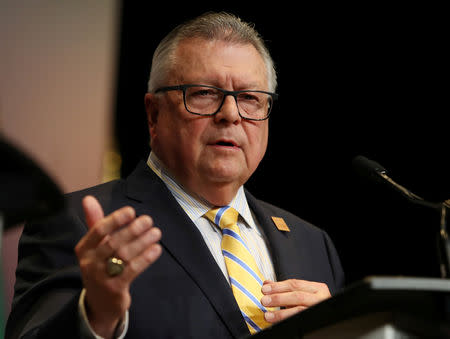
{"points": [[215, 83]]}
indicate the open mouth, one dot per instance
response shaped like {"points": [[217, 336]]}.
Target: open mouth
{"points": [[225, 143]]}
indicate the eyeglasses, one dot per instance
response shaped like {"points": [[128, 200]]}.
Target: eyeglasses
{"points": [[208, 100]]}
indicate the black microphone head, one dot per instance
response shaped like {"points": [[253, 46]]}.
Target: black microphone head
{"points": [[367, 168]]}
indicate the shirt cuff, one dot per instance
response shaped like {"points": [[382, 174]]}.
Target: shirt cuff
{"points": [[86, 329]]}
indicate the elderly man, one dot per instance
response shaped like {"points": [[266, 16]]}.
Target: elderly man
{"points": [[180, 249]]}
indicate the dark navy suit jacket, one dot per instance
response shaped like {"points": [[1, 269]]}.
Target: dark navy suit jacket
{"points": [[183, 294]]}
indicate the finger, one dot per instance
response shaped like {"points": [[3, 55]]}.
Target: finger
{"points": [[132, 231], [290, 299], [93, 213], [141, 262], [92, 210], [279, 315], [121, 239], [270, 287], [135, 247], [104, 227]]}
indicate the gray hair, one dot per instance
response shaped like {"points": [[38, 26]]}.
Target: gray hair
{"points": [[209, 26]]}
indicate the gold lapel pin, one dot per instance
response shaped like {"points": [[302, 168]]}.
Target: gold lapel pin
{"points": [[280, 224]]}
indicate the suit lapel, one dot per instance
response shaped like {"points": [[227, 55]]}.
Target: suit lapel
{"points": [[283, 248], [183, 241]]}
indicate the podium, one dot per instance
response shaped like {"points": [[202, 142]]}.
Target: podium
{"points": [[376, 307]]}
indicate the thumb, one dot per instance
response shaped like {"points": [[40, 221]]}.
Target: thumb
{"points": [[93, 211]]}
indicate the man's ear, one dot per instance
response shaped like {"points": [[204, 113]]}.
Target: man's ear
{"points": [[151, 107]]}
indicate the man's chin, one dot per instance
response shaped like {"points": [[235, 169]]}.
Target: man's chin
{"points": [[225, 173]]}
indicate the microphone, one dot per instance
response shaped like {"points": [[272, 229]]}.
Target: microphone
{"points": [[368, 168], [373, 170]]}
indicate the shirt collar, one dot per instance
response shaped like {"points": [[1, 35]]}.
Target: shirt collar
{"points": [[195, 207]]}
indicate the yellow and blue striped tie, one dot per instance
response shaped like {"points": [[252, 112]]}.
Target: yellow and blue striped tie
{"points": [[245, 277]]}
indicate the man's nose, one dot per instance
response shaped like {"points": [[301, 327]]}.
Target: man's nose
{"points": [[229, 111]]}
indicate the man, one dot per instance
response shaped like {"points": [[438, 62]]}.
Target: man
{"points": [[151, 259]]}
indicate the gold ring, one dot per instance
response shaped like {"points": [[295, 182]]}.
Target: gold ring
{"points": [[114, 266]]}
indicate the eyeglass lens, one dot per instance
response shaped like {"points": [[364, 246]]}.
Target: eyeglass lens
{"points": [[206, 100]]}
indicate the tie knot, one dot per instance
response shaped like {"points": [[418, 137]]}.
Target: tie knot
{"points": [[224, 217]]}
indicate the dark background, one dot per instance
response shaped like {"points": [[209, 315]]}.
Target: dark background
{"points": [[366, 80]]}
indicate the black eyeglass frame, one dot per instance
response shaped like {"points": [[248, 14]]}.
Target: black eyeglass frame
{"points": [[226, 93]]}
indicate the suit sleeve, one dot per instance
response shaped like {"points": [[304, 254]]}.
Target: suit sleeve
{"points": [[335, 264]]}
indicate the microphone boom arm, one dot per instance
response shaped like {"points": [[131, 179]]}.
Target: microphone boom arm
{"points": [[374, 170], [443, 241], [408, 194]]}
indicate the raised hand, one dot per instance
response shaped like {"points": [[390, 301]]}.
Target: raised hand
{"points": [[122, 235]]}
